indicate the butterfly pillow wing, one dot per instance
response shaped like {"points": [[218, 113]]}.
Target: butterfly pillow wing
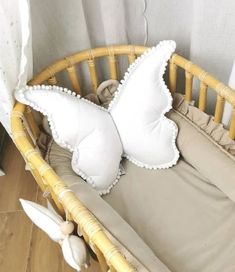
{"points": [[83, 128], [99, 144], [138, 109], [52, 101]]}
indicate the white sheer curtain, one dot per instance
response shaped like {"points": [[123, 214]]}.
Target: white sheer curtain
{"points": [[15, 53], [203, 30], [63, 27]]}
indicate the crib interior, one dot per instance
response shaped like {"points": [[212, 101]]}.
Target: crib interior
{"points": [[26, 131]]}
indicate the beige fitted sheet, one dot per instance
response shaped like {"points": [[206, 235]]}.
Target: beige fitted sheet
{"points": [[186, 221], [183, 217], [119, 231]]}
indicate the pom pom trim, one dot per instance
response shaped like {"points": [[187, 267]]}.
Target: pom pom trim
{"points": [[20, 96], [162, 86]]}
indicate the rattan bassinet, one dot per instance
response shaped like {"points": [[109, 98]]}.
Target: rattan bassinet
{"points": [[26, 131]]}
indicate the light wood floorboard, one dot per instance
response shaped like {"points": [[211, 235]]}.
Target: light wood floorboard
{"points": [[15, 236], [17, 182]]}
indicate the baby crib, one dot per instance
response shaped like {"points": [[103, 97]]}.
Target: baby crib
{"points": [[25, 131]]}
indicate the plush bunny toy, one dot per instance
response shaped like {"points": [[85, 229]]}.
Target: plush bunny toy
{"points": [[60, 231]]}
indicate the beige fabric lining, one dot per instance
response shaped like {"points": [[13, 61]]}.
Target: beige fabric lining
{"points": [[139, 254], [179, 212], [206, 123], [186, 221]]}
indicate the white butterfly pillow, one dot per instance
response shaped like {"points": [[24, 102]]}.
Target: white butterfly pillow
{"points": [[133, 126]]}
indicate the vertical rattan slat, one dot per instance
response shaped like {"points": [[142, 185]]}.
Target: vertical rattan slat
{"points": [[92, 69], [232, 126], [112, 64], [219, 108], [131, 55], [208, 79], [188, 86], [113, 67], [74, 79], [172, 75], [202, 96]]}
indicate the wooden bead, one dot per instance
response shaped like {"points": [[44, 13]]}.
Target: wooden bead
{"points": [[67, 227]]}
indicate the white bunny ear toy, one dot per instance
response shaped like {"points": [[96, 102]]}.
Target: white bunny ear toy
{"points": [[134, 126], [73, 248]]}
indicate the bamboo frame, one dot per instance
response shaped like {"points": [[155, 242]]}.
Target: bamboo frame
{"points": [[73, 76], [219, 108], [108, 255], [112, 64], [232, 126], [202, 96], [93, 75], [188, 86]]}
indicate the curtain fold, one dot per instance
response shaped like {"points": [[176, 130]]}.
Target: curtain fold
{"points": [[15, 53], [61, 28]]}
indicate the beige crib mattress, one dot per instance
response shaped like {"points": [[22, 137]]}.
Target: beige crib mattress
{"points": [[175, 216], [187, 222]]}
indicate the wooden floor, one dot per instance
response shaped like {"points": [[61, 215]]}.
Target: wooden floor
{"points": [[23, 247]]}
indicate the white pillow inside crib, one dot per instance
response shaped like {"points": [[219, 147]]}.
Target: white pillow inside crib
{"points": [[82, 127], [138, 109], [134, 121]]}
